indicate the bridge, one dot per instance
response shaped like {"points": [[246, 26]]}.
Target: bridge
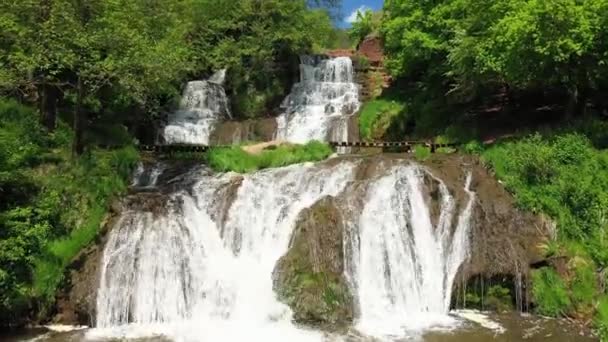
{"points": [[401, 145]]}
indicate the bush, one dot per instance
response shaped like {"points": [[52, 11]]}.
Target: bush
{"points": [[473, 147], [549, 292], [237, 160], [422, 152]]}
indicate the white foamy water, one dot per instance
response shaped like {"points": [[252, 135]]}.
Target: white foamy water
{"points": [[203, 105], [197, 273], [401, 265], [321, 104]]}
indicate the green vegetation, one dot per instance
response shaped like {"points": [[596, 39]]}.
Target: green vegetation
{"points": [[52, 206], [422, 152], [564, 176], [367, 22], [550, 293], [237, 160], [376, 115], [557, 44], [495, 296], [601, 319], [98, 61]]}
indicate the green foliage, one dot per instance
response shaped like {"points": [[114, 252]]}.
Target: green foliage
{"points": [[564, 177], [422, 152], [550, 293], [367, 22], [339, 39], [601, 318], [525, 43], [258, 42], [584, 286], [237, 160], [98, 58], [498, 298], [52, 206], [376, 116], [473, 147]]}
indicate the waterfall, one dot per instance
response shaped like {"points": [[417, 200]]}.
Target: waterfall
{"points": [[203, 105], [320, 105], [401, 265], [200, 270]]}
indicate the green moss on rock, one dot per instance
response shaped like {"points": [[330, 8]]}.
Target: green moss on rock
{"points": [[309, 278]]}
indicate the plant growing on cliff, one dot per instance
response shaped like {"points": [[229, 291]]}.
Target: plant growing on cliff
{"points": [[550, 293]]}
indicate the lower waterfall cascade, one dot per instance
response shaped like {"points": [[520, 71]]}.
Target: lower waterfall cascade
{"points": [[201, 270], [394, 236]]}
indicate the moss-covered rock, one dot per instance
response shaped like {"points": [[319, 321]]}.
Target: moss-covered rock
{"points": [[309, 278]]}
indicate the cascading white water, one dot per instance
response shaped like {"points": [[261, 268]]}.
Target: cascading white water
{"points": [[197, 274], [203, 105], [146, 176], [320, 105], [400, 264]]}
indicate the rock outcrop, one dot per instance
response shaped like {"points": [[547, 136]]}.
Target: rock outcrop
{"points": [[310, 277], [234, 132]]}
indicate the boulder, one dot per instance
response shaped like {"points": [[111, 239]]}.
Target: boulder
{"points": [[310, 277]]}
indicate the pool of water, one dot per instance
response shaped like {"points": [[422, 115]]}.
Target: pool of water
{"points": [[475, 327]]}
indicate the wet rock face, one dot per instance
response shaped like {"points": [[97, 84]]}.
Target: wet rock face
{"points": [[234, 132], [504, 240], [309, 278]]}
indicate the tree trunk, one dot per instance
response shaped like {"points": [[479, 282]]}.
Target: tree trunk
{"points": [[573, 103], [42, 101], [48, 107], [79, 121]]}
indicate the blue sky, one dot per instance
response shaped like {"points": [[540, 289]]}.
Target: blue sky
{"points": [[349, 8]]}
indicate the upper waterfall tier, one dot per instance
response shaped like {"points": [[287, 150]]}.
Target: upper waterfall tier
{"points": [[203, 105], [320, 105]]}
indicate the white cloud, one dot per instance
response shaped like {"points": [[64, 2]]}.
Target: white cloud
{"points": [[353, 16]]}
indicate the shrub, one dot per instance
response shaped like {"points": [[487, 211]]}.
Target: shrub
{"points": [[473, 147], [422, 152]]}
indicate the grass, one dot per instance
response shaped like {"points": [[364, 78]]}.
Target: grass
{"points": [[550, 292], [237, 160], [376, 116], [601, 317]]}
